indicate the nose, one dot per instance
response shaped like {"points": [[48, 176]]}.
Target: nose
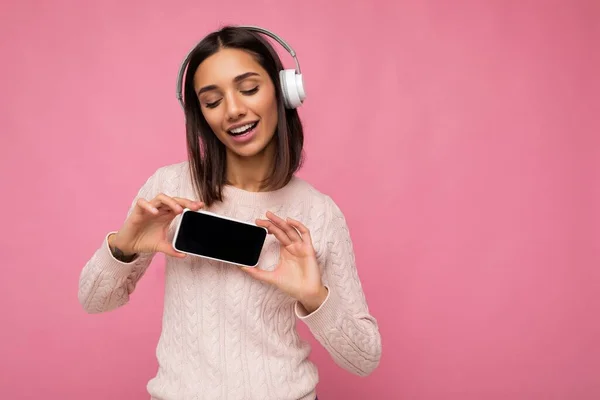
{"points": [[235, 107]]}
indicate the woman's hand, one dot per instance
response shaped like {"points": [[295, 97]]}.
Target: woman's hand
{"points": [[146, 227], [297, 272]]}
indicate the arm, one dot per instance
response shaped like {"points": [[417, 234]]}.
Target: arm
{"points": [[343, 324], [105, 283]]}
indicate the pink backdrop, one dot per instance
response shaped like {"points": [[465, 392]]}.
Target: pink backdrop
{"points": [[458, 137]]}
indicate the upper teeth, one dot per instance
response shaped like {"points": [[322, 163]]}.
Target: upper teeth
{"points": [[242, 128]]}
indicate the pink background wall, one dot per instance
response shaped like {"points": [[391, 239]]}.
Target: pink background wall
{"points": [[460, 138]]}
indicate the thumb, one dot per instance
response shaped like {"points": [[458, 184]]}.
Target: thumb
{"points": [[260, 274], [167, 248]]}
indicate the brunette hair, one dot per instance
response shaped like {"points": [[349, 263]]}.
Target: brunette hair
{"points": [[206, 153]]}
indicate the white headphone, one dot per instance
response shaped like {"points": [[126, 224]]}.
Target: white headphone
{"points": [[292, 85]]}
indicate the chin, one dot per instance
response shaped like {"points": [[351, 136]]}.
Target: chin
{"points": [[248, 150], [259, 144]]}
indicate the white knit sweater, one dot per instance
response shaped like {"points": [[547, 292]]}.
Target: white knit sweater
{"points": [[226, 335]]}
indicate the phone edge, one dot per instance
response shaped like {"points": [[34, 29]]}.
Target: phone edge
{"points": [[215, 259]]}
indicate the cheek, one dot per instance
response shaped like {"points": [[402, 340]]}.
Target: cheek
{"points": [[214, 121], [273, 118], [269, 110]]}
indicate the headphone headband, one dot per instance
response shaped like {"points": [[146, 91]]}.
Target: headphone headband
{"points": [[279, 40], [292, 84]]}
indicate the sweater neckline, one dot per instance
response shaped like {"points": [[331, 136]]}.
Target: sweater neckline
{"points": [[263, 197]]}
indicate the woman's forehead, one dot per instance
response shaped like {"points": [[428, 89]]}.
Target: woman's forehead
{"points": [[227, 66]]}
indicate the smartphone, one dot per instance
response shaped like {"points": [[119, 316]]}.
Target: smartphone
{"points": [[215, 237]]}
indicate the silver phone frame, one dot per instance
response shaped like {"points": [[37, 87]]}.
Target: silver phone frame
{"points": [[175, 236]]}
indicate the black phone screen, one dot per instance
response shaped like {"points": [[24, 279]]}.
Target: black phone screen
{"points": [[220, 238]]}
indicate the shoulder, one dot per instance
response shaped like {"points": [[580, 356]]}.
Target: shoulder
{"points": [[305, 191], [167, 178], [321, 202], [171, 171], [170, 174]]}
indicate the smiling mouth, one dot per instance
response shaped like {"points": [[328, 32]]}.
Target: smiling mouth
{"points": [[242, 129]]}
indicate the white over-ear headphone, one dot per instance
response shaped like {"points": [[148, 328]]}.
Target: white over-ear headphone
{"points": [[292, 85]]}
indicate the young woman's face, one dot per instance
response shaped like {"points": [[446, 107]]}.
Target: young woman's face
{"points": [[237, 99]]}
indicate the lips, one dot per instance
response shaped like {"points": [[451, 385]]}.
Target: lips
{"points": [[244, 133], [242, 129]]}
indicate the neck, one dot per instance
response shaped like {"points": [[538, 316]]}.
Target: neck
{"points": [[249, 173]]}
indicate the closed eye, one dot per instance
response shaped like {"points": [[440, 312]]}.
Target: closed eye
{"points": [[213, 104], [251, 91]]}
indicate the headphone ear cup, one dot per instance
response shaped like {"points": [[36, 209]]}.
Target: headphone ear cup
{"points": [[292, 86]]}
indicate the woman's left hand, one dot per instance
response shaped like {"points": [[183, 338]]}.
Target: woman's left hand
{"points": [[297, 272]]}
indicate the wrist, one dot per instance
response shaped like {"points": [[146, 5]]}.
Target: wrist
{"points": [[313, 300], [115, 241], [120, 252]]}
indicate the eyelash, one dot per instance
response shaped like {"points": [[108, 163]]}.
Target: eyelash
{"points": [[245, 92]]}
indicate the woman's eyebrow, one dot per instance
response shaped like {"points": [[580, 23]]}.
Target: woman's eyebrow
{"points": [[237, 79]]}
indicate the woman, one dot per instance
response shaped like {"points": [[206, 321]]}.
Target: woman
{"points": [[229, 332]]}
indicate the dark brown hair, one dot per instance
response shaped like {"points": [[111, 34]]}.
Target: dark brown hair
{"points": [[206, 153]]}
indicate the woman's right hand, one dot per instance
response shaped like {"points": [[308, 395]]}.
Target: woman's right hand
{"points": [[145, 229]]}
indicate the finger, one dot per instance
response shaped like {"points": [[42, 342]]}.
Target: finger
{"points": [[146, 206], [167, 248], [169, 202], [186, 203], [304, 231], [275, 230], [261, 275], [283, 225]]}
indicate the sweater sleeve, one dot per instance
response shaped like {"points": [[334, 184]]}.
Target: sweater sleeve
{"points": [[343, 324], [106, 283]]}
